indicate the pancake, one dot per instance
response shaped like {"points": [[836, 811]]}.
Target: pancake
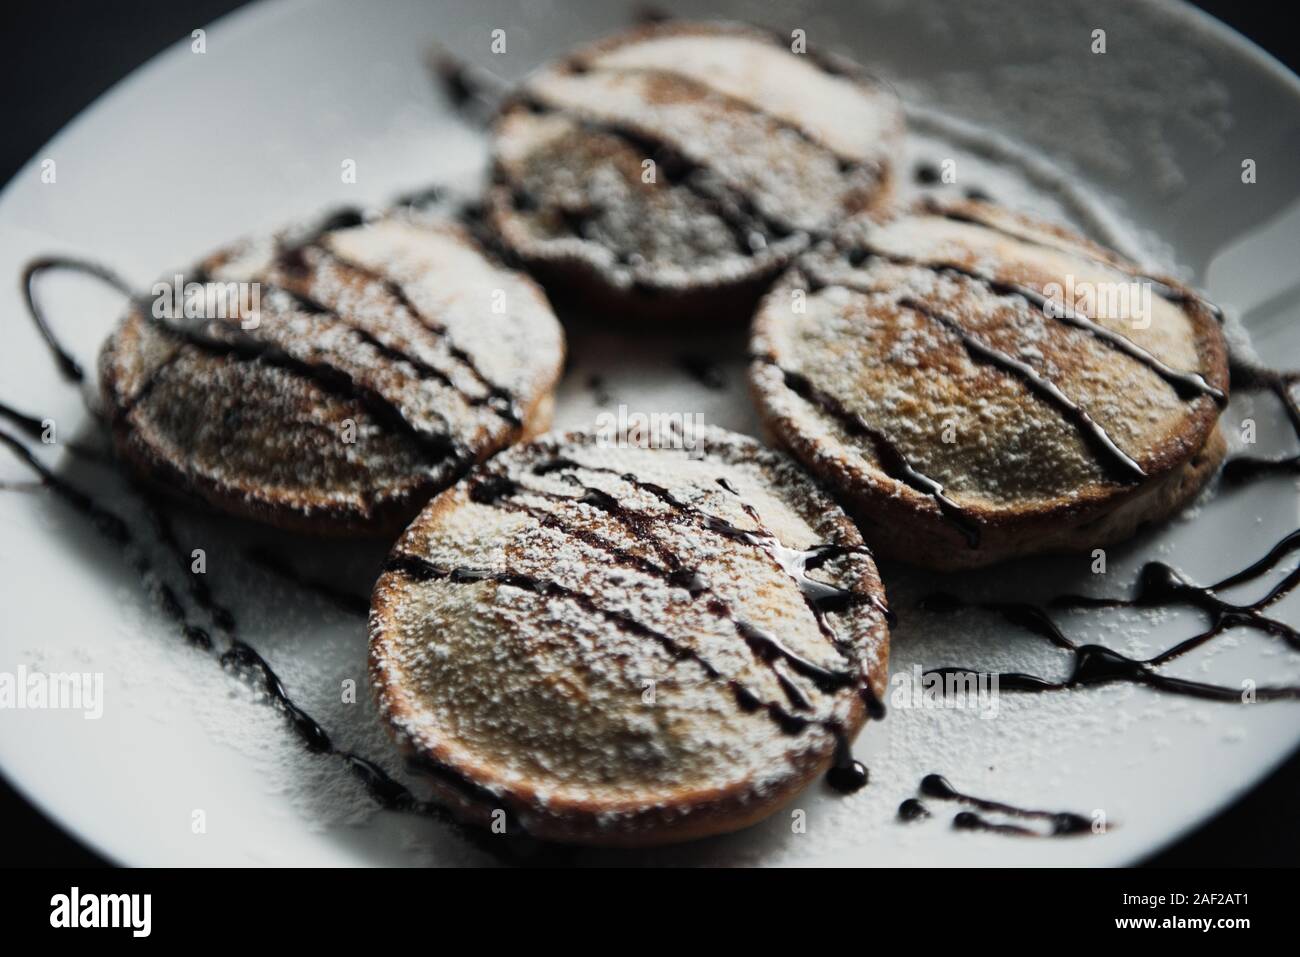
{"points": [[670, 172], [629, 646], [917, 367], [384, 359]]}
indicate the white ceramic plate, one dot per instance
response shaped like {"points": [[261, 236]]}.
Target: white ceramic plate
{"points": [[195, 149]]}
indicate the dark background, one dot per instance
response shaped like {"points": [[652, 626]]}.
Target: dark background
{"points": [[59, 56]]}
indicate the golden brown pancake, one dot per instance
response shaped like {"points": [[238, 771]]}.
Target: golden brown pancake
{"points": [[383, 360], [629, 646], [672, 171], [918, 367]]}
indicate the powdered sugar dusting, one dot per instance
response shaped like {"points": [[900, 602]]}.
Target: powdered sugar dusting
{"points": [[973, 427], [675, 157], [542, 699], [1117, 748], [402, 308]]}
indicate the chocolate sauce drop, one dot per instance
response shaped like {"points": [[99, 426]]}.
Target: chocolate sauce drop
{"points": [[912, 810], [728, 486], [937, 786], [474, 92], [421, 198], [648, 13], [848, 778], [456, 82]]}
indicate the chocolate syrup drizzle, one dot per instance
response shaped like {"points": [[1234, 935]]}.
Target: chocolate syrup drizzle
{"points": [[926, 173], [845, 775], [1251, 378], [752, 229], [494, 397], [1158, 586], [892, 461], [218, 337], [1119, 461], [1188, 385], [114, 528], [1121, 464], [845, 772], [1163, 289], [820, 596], [225, 338], [237, 655], [68, 366], [501, 491], [1060, 823], [35, 428]]}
